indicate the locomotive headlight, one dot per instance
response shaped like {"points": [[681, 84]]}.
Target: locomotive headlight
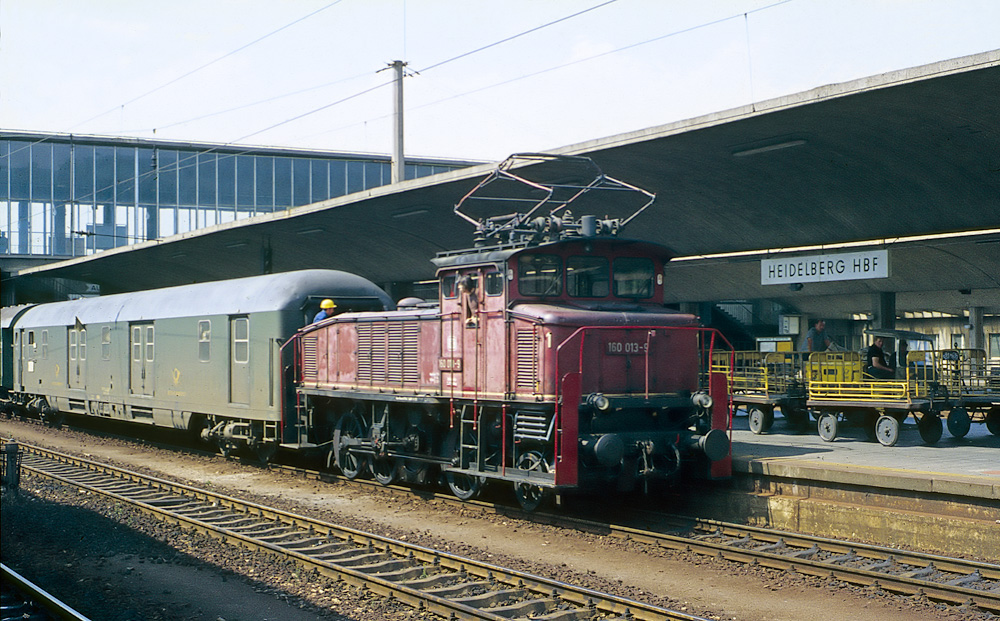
{"points": [[598, 401], [702, 400]]}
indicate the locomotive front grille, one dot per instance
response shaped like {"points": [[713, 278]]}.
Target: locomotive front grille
{"points": [[527, 360]]}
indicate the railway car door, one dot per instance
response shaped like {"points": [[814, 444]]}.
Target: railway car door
{"points": [[142, 375], [239, 360], [76, 350]]}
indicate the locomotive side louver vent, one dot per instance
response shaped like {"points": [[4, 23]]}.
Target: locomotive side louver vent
{"points": [[527, 360], [388, 353], [411, 353], [309, 363], [364, 352]]}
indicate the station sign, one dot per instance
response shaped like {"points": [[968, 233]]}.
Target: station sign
{"points": [[825, 267]]}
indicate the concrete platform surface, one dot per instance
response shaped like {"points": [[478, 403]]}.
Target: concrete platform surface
{"points": [[963, 467]]}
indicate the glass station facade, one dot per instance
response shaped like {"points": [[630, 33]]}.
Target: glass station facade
{"points": [[66, 196]]}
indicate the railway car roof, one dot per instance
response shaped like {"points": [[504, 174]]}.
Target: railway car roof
{"points": [[255, 294]]}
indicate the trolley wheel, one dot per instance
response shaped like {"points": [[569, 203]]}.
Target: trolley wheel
{"points": [[529, 495], [887, 430], [930, 427], [993, 420], [959, 422], [758, 420], [385, 470], [827, 426], [464, 486]]}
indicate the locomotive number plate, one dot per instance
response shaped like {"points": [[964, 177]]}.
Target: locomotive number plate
{"points": [[626, 348]]}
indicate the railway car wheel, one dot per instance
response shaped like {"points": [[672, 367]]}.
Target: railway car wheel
{"points": [[993, 420], [959, 422], [887, 430], [529, 495], [930, 427], [827, 426], [464, 486], [384, 469], [413, 471], [757, 420]]}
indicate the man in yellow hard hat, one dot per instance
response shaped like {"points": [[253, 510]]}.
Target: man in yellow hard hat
{"points": [[326, 310]]}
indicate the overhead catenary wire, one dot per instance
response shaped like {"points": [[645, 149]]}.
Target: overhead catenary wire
{"points": [[429, 68]]}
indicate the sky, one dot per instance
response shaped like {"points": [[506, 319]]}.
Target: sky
{"points": [[485, 78]]}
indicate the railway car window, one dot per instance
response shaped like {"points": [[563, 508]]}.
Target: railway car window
{"points": [[633, 277], [241, 340], [106, 343], [587, 277], [83, 344], [539, 274], [449, 288], [149, 343], [137, 344], [204, 341], [45, 344], [494, 283], [72, 344]]}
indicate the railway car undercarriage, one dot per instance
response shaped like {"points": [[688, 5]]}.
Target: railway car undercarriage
{"points": [[465, 444]]}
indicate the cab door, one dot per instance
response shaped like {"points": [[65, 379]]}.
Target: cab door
{"points": [[76, 350], [142, 346]]}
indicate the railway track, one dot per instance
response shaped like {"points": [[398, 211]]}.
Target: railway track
{"points": [[939, 578], [23, 600], [444, 584]]}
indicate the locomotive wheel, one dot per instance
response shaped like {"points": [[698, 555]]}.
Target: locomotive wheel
{"points": [[265, 451], [464, 486], [930, 427], [351, 428], [887, 430], [758, 420], [384, 469], [959, 422], [413, 471], [529, 495], [827, 426], [993, 420]]}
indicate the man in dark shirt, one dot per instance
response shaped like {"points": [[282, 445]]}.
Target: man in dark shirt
{"points": [[875, 364], [816, 338]]}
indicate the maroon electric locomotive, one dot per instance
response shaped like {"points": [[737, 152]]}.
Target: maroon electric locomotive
{"points": [[549, 362]]}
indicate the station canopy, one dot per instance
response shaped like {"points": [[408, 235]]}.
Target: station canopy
{"points": [[907, 162]]}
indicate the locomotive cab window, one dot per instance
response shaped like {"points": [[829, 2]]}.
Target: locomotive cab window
{"points": [[587, 277], [634, 277], [539, 274], [494, 283], [449, 286]]}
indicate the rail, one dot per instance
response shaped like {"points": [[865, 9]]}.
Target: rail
{"points": [[429, 580]]}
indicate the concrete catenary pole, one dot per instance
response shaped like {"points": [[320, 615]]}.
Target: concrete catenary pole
{"points": [[398, 163]]}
